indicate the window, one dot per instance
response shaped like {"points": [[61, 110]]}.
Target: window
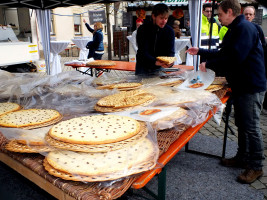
{"points": [[77, 24]]}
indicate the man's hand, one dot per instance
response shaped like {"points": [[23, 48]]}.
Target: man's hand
{"points": [[84, 20], [192, 50], [202, 67]]}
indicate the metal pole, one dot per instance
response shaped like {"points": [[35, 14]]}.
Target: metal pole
{"points": [[108, 32], [211, 23]]}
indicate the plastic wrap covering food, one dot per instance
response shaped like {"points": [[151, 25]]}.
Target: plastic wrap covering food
{"points": [[108, 78], [197, 80], [197, 103], [91, 148], [71, 93], [27, 141]]}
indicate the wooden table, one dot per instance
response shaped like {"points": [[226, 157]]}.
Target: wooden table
{"points": [[32, 169], [120, 65]]}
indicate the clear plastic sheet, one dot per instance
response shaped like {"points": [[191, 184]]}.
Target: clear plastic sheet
{"points": [[70, 93], [108, 78], [74, 95], [206, 78], [29, 136], [197, 103], [130, 162]]}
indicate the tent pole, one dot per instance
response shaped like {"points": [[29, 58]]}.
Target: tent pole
{"points": [[199, 31], [108, 32], [211, 23]]}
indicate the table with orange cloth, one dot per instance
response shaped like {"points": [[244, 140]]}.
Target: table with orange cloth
{"points": [[119, 65]]}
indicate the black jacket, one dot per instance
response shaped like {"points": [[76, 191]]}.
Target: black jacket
{"points": [[240, 58], [152, 41], [97, 43]]}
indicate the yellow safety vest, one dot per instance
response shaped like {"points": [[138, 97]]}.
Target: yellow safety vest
{"points": [[206, 27]]}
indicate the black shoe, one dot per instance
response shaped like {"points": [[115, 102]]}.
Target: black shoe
{"points": [[233, 162]]}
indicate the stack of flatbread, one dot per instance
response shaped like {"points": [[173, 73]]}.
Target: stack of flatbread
{"points": [[99, 148], [7, 107], [96, 133], [170, 121], [30, 141], [92, 167], [29, 119], [166, 59], [120, 86], [217, 84], [124, 100], [171, 83]]}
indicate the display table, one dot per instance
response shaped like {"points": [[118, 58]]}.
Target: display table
{"points": [[119, 65], [29, 165], [56, 47]]}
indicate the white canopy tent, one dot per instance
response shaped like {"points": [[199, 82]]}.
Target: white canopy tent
{"points": [[44, 22]]}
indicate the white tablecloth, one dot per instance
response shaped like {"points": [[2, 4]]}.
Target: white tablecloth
{"points": [[81, 43], [179, 45], [56, 47]]}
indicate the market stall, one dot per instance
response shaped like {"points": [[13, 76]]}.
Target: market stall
{"points": [[69, 94], [84, 98]]}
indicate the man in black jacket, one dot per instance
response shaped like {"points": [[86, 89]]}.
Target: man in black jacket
{"points": [[241, 58], [154, 39], [249, 13]]}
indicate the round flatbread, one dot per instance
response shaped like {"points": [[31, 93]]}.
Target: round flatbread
{"points": [[126, 99], [122, 162], [29, 117], [166, 59], [120, 86], [95, 129], [213, 88], [8, 107]]}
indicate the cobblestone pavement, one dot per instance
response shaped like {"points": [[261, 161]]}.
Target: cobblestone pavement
{"points": [[212, 129]]}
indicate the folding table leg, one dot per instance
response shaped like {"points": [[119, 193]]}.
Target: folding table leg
{"points": [[162, 184], [228, 110]]}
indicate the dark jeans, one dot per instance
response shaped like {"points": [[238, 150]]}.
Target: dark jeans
{"points": [[265, 102], [98, 56], [247, 109]]}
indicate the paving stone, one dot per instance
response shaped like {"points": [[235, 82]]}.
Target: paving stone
{"points": [[264, 180], [264, 191], [258, 185]]}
